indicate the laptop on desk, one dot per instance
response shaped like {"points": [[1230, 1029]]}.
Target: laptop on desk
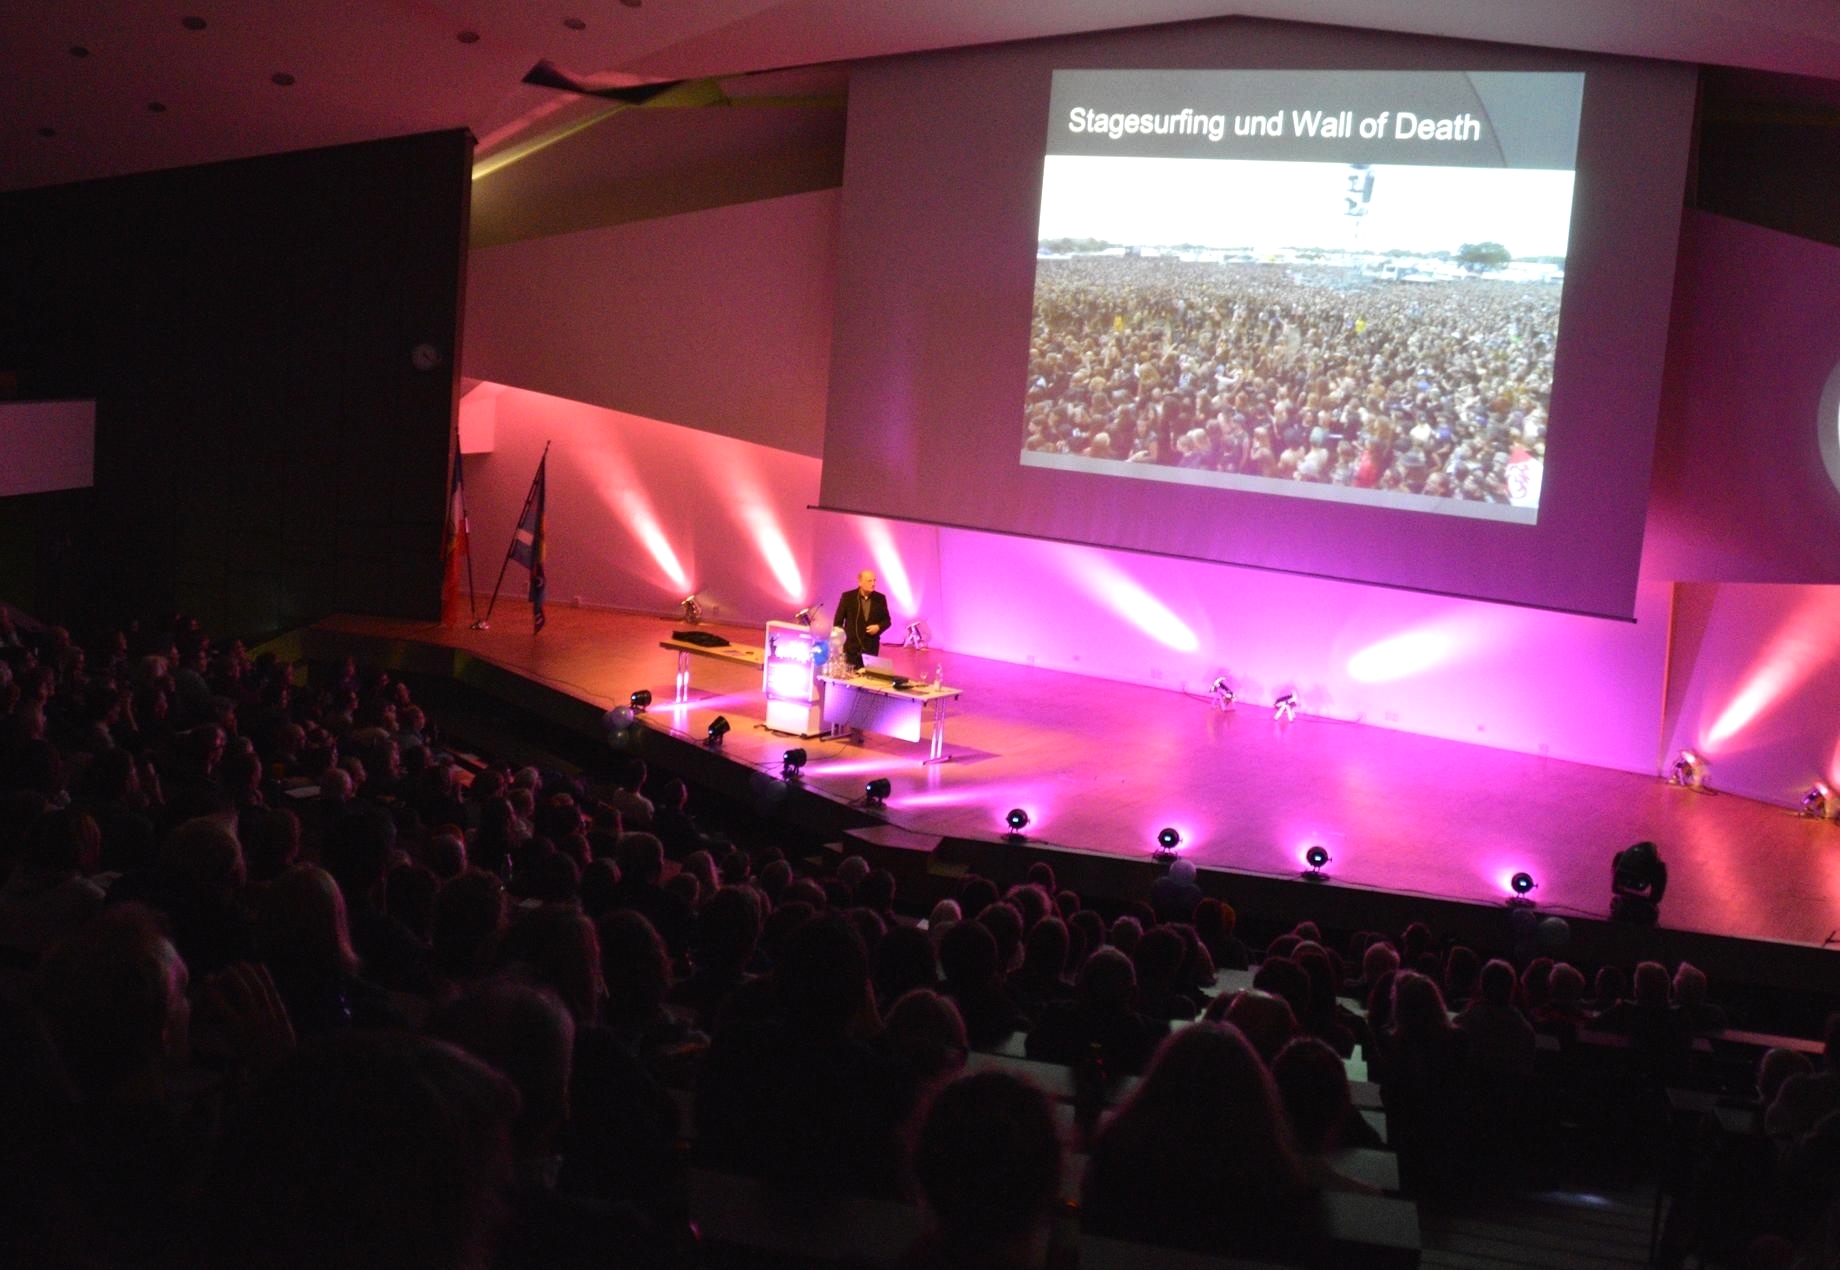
{"points": [[882, 668]]}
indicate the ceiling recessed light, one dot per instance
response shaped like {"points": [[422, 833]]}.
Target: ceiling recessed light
{"points": [[282, 79], [78, 50], [157, 107], [468, 37], [192, 22], [575, 24]]}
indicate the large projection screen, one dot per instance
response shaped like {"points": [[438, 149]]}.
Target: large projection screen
{"points": [[1428, 356]]}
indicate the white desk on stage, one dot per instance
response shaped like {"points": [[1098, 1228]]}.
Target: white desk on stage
{"points": [[874, 704], [739, 654]]}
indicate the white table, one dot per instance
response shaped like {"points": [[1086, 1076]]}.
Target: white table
{"points": [[738, 654], [873, 704]]}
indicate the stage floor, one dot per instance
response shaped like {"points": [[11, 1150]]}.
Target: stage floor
{"points": [[1102, 766]]}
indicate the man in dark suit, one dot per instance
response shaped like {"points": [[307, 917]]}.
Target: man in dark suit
{"points": [[863, 614]]}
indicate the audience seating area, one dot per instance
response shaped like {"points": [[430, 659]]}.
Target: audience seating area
{"points": [[290, 976]]}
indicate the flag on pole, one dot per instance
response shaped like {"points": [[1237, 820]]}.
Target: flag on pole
{"points": [[456, 542], [527, 546]]}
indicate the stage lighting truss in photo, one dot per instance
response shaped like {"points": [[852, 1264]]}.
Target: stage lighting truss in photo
{"points": [[1167, 842], [1285, 707], [1689, 771]]}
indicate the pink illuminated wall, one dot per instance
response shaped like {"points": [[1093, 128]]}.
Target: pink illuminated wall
{"points": [[1545, 683], [718, 320], [905, 557], [1757, 676], [643, 512]]}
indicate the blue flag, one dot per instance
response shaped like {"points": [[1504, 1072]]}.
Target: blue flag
{"points": [[527, 547]]}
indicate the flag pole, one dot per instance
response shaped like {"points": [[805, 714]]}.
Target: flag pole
{"points": [[466, 521], [529, 498]]}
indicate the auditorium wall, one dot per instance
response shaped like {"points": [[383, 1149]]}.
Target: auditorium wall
{"points": [[267, 448], [718, 319], [640, 513]]}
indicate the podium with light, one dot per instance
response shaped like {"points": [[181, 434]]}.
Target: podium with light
{"points": [[789, 678]]}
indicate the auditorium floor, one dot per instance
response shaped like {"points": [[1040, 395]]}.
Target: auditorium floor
{"points": [[1102, 766]]}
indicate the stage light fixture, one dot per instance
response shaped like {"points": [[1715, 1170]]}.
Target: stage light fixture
{"points": [[1017, 820], [1818, 802], [1224, 695], [876, 792], [639, 700], [1285, 707], [803, 616], [916, 636], [718, 728], [1167, 840], [1521, 884], [1316, 857], [1689, 771], [793, 763], [693, 612]]}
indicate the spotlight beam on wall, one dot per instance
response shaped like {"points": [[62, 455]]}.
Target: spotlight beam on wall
{"points": [[891, 569]]}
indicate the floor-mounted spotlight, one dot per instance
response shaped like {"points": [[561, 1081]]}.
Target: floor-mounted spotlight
{"points": [[803, 616], [1285, 707], [1689, 771], [1017, 820], [1167, 840], [693, 612], [792, 764], [1223, 693], [1521, 884], [639, 700], [875, 793], [1818, 802], [718, 728], [1316, 857], [916, 636]]}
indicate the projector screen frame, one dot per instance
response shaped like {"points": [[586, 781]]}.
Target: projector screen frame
{"points": [[935, 287]]}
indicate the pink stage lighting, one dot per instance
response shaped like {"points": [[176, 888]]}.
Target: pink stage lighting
{"points": [[890, 568], [1399, 657], [1130, 599], [1793, 653], [758, 518]]}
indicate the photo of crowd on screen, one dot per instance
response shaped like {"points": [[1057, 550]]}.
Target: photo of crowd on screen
{"points": [[1413, 371]]}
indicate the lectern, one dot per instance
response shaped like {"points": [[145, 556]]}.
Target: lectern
{"points": [[790, 679]]}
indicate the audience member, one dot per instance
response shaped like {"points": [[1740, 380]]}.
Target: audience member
{"points": [[313, 1167], [1200, 1156], [988, 1162], [1102, 1017]]}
